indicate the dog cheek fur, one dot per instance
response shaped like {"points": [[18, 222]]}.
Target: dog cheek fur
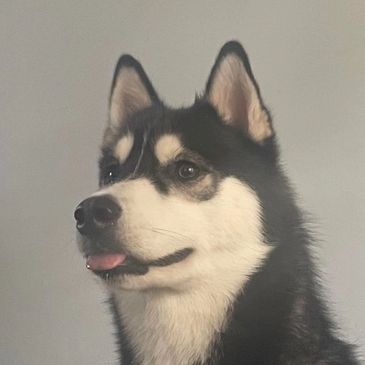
{"points": [[154, 225]]}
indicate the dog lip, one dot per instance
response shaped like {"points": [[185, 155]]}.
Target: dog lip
{"points": [[134, 266], [173, 258]]}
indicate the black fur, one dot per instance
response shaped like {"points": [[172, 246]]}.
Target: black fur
{"points": [[280, 319]]}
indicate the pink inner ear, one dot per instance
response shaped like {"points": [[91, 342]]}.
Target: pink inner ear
{"points": [[230, 92], [129, 95], [238, 107], [235, 97]]}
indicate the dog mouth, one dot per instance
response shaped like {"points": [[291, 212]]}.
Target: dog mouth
{"points": [[109, 265]]}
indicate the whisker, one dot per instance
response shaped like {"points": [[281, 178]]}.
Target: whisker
{"points": [[173, 232], [168, 233]]}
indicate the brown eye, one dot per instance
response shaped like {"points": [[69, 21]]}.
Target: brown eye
{"points": [[187, 170]]}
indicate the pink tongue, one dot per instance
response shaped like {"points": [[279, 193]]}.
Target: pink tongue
{"points": [[105, 262]]}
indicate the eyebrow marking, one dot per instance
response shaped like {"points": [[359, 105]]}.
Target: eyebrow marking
{"points": [[167, 148], [124, 147]]}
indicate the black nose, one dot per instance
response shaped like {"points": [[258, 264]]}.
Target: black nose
{"points": [[95, 214]]}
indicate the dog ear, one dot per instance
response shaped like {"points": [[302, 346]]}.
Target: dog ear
{"points": [[233, 91], [131, 91]]}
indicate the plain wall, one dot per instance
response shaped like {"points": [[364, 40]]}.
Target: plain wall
{"points": [[56, 64]]}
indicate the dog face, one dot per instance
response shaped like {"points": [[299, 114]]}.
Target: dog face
{"points": [[179, 202]]}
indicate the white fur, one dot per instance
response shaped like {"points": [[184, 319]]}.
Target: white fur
{"points": [[167, 148], [235, 97], [172, 314], [129, 95], [124, 147]]}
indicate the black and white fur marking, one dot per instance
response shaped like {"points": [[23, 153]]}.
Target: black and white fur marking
{"points": [[218, 267]]}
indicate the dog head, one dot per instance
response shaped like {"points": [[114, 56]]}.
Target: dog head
{"points": [[179, 198]]}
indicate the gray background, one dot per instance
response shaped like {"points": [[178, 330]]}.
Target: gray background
{"points": [[56, 64]]}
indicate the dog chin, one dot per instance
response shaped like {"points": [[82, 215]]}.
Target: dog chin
{"points": [[157, 278]]}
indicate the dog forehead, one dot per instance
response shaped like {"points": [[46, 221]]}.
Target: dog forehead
{"points": [[166, 132], [166, 147]]}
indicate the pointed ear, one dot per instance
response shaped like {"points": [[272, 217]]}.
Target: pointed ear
{"points": [[131, 91], [233, 91]]}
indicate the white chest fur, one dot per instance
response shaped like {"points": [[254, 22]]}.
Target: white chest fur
{"points": [[178, 327], [172, 328]]}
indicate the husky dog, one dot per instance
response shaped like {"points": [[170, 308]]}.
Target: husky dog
{"points": [[196, 233]]}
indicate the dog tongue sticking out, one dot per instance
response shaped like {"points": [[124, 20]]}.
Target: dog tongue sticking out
{"points": [[105, 262]]}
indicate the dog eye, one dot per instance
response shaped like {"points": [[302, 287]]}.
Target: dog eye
{"points": [[111, 174], [187, 170]]}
